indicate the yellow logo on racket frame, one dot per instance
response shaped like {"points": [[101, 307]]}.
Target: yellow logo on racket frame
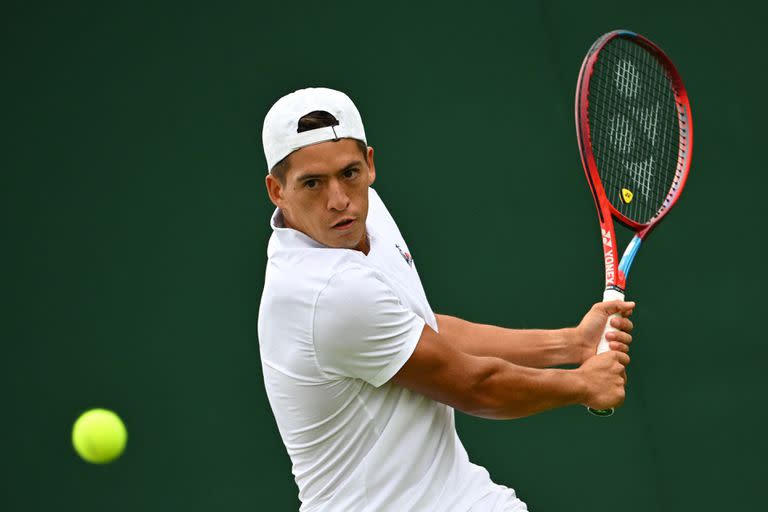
{"points": [[626, 195]]}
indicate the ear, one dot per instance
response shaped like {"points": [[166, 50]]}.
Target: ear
{"points": [[275, 190], [371, 167]]}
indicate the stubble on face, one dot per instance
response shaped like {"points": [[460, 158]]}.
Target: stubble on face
{"points": [[325, 194]]}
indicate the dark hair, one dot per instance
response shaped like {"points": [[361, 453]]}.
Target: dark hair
{"points": [[311, 121]]}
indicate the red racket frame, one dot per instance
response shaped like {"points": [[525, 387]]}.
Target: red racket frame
{"points": [[615, 278]]}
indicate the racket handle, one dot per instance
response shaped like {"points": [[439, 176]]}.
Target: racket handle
{"points": [[608, 295]]}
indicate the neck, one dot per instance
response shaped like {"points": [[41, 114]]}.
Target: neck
{"points": [[365, 244]]}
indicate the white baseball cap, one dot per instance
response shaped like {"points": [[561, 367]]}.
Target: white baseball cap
{"points": [[280, 134]]}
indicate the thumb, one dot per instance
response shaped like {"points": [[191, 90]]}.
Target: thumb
{"points": [[616, 306]]}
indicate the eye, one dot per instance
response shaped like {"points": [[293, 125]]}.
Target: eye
{"points": [[351, 173], [310, 184]]}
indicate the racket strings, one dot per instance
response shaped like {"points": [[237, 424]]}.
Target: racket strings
{"points": [[641, 173], [634, 129], [621, 132]]}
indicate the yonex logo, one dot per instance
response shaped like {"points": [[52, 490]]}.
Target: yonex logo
{"points": [[627, 79], [624, 129], [609, 259], [607, 238]]}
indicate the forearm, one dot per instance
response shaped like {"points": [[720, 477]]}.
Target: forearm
{"points": [[535, 348], [491, 387], [509, 391]]}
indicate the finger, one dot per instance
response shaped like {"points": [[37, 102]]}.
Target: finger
{"points": [[622, 358], [624, 375], [620, 336], [616, 306], [618, 347], [628, 312], [623, 324]]}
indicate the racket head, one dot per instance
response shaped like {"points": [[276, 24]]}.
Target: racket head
{"points": [[633, 122]]}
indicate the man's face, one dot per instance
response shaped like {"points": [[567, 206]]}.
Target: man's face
{"points": [[325, 195]]}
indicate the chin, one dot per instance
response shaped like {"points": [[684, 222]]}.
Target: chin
{"points": [[349, 245], [347, 242]]}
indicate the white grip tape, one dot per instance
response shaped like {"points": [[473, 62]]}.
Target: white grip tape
{"points": [[609, 295]]}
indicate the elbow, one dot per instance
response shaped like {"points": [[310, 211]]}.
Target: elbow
{"points": [[483, 396]]}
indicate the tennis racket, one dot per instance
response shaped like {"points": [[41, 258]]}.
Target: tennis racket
{"points": [[633, 123]]}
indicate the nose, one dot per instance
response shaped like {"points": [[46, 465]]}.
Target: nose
{"points": [[337, 198]]}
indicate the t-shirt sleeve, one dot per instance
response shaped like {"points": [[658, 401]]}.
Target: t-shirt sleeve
{"points": [[361, 329]]}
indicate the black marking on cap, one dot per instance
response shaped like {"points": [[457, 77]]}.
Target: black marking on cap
{"points": [[316, 119]]}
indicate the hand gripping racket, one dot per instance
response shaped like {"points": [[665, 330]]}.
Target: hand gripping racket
{"points": [[633, 123]]}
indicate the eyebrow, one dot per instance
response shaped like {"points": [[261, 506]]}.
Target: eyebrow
{"points": [[305, 177]]}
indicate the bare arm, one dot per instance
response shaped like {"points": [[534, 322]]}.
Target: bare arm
{"points": [[535, 348], [494, 388], [541, 348]]}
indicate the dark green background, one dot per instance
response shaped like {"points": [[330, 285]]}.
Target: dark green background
{"points": [[135, 221]]}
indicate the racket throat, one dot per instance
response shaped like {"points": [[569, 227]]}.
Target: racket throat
{"points": [[616, 275], [628, 257]]}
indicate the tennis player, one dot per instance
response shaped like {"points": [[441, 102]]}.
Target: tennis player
{"points": [[362, 377]]}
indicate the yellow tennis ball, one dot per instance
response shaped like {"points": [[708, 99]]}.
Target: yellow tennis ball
{"points": [[99, 436]]}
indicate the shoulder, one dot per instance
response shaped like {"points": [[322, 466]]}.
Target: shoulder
{"points": [[298, 295], [308, 269], [340, 281], [361, 328], [353, 289]]}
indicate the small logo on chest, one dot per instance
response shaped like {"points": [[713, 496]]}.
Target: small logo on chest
{"points": [[406, 256]]}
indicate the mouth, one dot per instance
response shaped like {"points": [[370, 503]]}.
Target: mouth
{"points": [[344, 224]]}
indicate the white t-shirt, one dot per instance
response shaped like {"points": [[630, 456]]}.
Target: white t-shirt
{"points": [[334, 326]]}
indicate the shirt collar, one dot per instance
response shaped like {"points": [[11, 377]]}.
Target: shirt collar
{"points": [[289, 237]]}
